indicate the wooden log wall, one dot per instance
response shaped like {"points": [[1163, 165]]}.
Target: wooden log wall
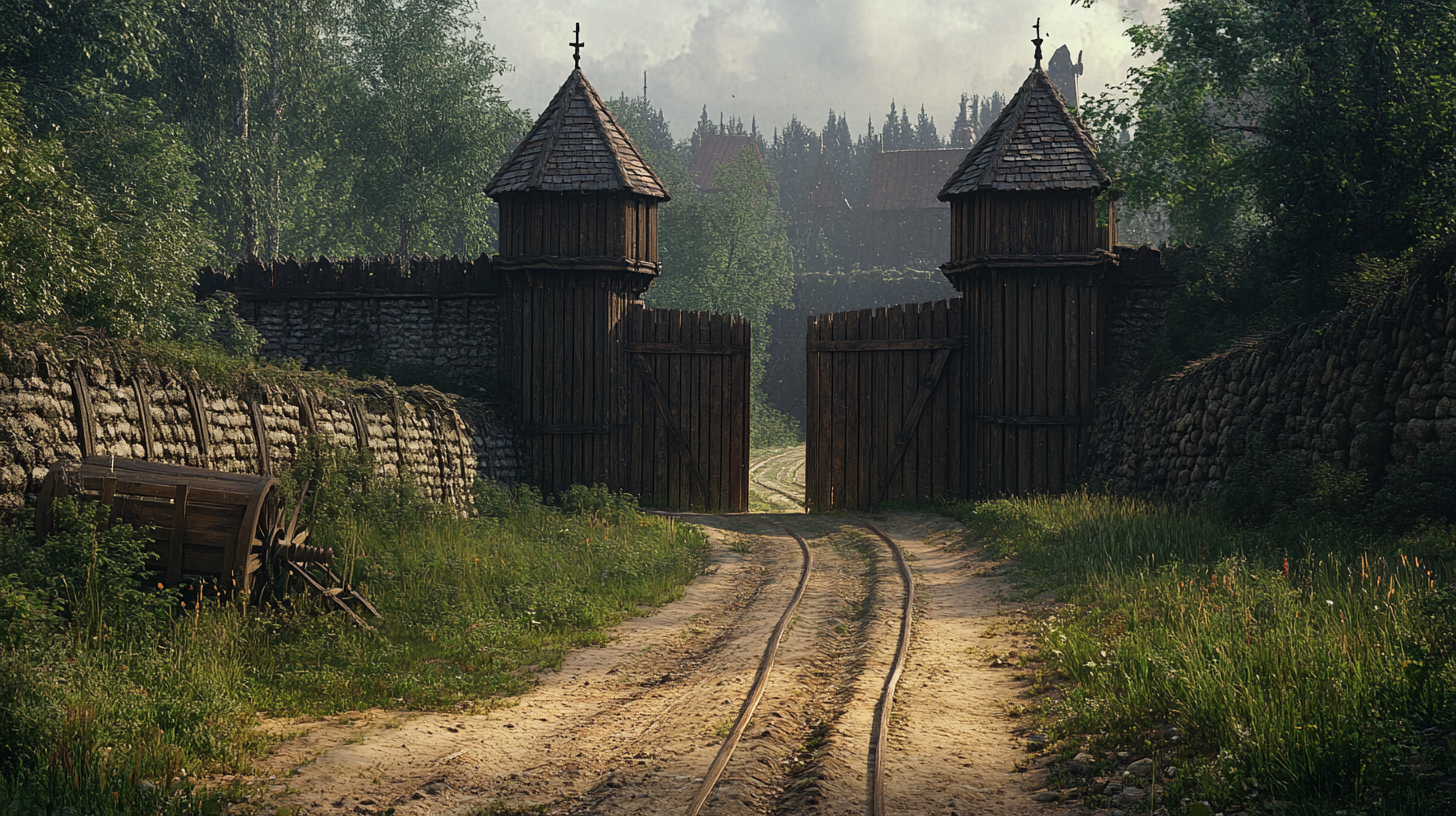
{"points": [[575, 225], [885, 394], [562, 350], [1014, 223], [1033, 359], [686, 438]]}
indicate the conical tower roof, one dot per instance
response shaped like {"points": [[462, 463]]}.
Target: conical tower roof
{"points": [[577, 147], [1035, 144]]}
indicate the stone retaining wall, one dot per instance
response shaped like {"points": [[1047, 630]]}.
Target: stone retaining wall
{"points": [[1366, 389], [66, 403]]}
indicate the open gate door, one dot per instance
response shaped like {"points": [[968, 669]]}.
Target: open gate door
{"points": [[687, 422], [884, 406]]}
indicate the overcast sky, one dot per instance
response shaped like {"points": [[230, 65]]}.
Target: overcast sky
{"points": [[775, 58]]}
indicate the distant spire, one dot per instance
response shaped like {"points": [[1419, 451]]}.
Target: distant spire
{"points": [[1037, 42], [576, 46]]}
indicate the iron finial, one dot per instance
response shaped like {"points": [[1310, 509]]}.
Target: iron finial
{"points": [[1037, 42], [576, 46]]}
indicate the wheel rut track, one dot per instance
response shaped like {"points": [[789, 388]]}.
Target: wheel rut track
{"points": [[879, 731]]}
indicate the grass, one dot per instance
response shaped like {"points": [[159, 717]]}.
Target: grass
{"points": [[1306, 663], [114, 699]]}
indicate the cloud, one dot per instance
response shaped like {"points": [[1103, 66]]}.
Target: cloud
{"points": [[776, 58]]}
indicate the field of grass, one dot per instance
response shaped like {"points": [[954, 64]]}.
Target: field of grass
{"points": [[1307, 667], [115, 697]]}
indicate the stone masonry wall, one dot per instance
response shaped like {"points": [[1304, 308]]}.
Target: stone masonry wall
{"points": [[1363, 390], [439, 320], [58, 402]]}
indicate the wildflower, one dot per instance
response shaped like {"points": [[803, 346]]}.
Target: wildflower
{"points": [[1329, 603]]}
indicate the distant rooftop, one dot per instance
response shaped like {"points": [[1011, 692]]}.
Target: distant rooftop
{"points": [[577, 147], [714, 151]]}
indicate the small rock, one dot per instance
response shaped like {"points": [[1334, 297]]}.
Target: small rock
{"points": [[1129, 796], [1112, 789], [1081, 764], [1046, 796], [1124, 756], [1142, 768]]}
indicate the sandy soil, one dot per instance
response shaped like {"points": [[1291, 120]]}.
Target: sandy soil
{"points": [[631, 727]]}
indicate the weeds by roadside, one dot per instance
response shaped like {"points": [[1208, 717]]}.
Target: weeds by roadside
{"points": [[114, 697], [1308, 667]]}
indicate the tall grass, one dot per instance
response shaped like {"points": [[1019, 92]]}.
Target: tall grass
{"points": [[115, 697], [1314, 664]]}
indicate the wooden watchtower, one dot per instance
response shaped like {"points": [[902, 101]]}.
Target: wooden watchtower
{"points": [[578, 247], [1027, 255]]}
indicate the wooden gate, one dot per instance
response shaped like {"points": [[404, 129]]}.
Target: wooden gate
{"points": [[687, 418], [885, 406]]}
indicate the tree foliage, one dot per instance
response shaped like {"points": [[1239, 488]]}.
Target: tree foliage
{"points": [[1317, 134], [141, 140]]}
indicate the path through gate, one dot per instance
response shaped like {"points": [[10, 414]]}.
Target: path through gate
{"points": [[884, 405]]}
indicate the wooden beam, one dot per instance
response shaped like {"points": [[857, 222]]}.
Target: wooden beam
{"points": [[674, 433], [886, 344], [912, 418]]}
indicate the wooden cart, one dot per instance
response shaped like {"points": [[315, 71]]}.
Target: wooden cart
{"points": [[224, 528], [203, 523]]}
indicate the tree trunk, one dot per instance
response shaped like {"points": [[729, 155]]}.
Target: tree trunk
{"points": [[275, 102], [241, 104]]}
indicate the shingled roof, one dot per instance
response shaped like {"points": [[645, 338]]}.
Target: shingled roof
{"points": [[577, 147], [717, 150], [1035, 144]]}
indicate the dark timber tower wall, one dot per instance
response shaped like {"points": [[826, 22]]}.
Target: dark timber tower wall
{"points": [[1028, 258], [578, 246]]}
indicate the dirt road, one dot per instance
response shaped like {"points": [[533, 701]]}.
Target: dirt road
{"points": [[632, 727]]}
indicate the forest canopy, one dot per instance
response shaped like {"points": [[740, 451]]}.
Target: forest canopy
{"points": [[142, 140]]}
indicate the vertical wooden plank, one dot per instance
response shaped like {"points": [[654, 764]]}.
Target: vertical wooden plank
{"points": [[865, 413], [938, 410], [714, 428], [925, 466], [1024, 383], [836, 413], [824, 416], [697, 403], [1072, 396], [674, 386], [814, 491], [996, 432], [957, 399], [1056, 379], [878, 418], [662, 455], [811, 409], [894, 402], [1039, 375], [852, 497]]}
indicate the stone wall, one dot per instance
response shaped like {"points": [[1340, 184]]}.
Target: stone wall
{"points": [[438, 321], [67, 401], [1137, 308], [1366, 389]]}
